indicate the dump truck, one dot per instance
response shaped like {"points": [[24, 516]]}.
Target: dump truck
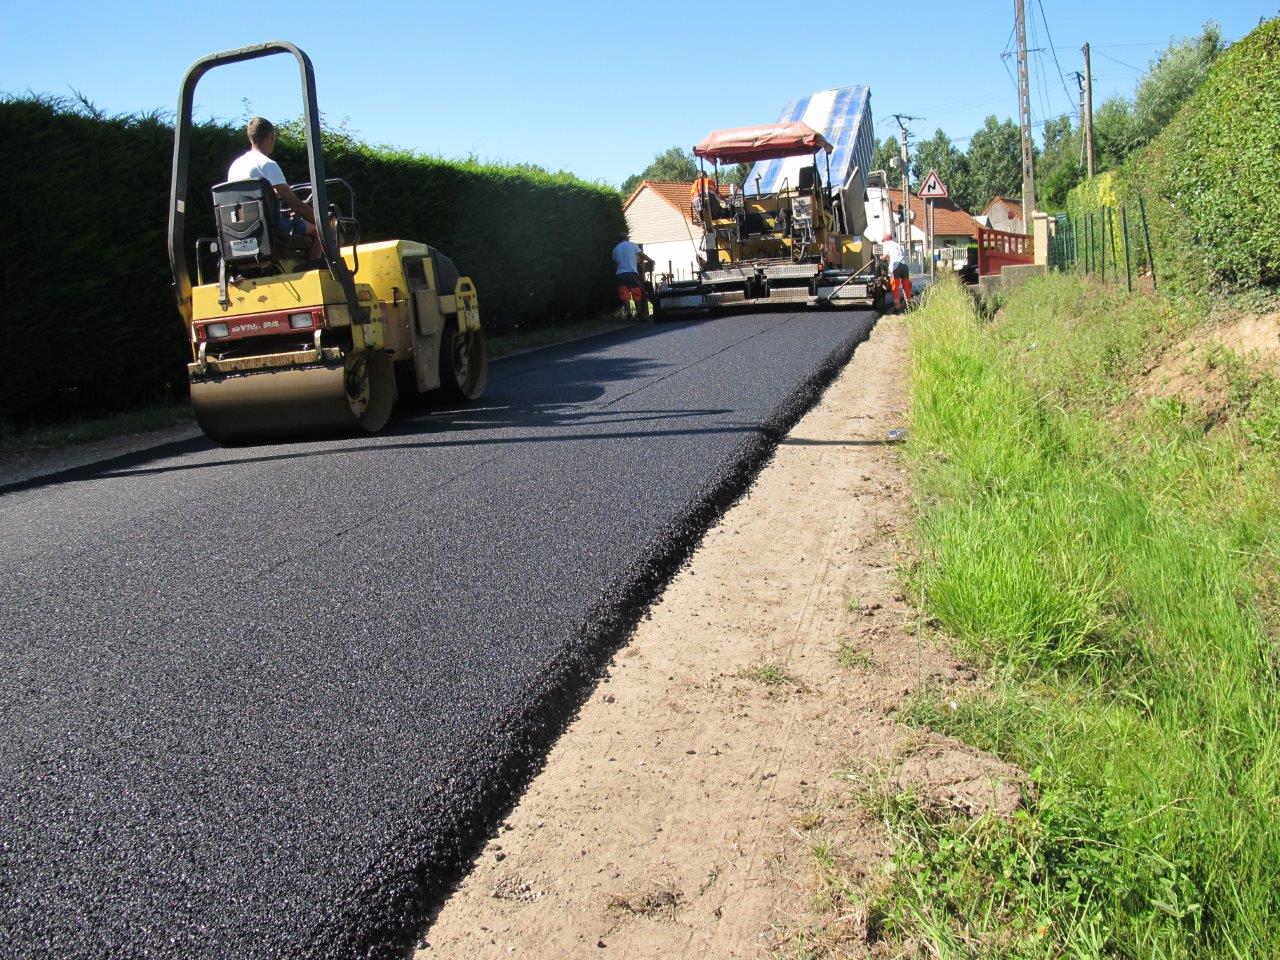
{"points": [[794, 233], [283, 348]]}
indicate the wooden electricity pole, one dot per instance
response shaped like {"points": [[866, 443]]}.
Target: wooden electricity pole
{"points": [[1024, 113], [1088, 112], [904, 124]]}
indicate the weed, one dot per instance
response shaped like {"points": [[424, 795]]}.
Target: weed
{"points": [[809, 819], [769, 673], [854, 658]]}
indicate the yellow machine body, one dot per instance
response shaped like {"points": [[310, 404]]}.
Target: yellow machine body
{"points": [[785, 247], [282, 357], [838, 250]]}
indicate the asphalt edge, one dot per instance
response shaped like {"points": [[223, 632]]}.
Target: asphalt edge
{"points": [[381, 918]]}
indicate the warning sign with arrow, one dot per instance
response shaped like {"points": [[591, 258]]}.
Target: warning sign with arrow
{"points": [[933, 188]]}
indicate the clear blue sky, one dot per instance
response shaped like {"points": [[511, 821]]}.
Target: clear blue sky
{"points": [[596, 88]]}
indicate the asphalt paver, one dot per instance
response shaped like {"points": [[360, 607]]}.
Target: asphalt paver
{"points": [[266, 701]]}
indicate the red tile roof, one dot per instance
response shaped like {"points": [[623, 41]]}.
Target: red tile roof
{"points": [[948, 219], [674, 193], [1012, 208]]}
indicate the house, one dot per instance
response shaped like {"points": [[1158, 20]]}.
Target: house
{"points": [[1004, 214], [953, 229], [660, 220]]}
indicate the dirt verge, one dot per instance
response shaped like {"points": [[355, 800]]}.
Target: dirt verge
{"points": [[678, 814]]}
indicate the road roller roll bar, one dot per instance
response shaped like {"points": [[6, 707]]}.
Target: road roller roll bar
{"points": [[182, 135]]}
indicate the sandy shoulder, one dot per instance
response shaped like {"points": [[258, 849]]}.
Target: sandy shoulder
{"points": [[674, 817]]}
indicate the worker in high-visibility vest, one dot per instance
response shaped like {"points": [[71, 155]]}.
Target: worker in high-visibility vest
{"points": [[898, 270], [704, 197]]}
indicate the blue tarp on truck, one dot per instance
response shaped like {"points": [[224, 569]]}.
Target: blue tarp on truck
{"points": [[843, 116]]}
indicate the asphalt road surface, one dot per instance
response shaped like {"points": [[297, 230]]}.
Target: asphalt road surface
{"points": [[265, 702]]}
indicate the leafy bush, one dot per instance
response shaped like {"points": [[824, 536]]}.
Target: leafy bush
{"points": [[1209, 179], [84, 270]]}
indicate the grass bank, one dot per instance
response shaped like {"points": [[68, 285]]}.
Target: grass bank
{"points": [[1112, 560]]}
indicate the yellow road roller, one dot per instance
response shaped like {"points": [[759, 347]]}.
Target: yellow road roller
{"points": [[284, 348]]}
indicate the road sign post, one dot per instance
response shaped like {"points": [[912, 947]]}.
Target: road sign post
{"points": [[931, 190]]}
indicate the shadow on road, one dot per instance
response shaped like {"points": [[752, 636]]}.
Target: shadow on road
{"points": [[543, 388]]}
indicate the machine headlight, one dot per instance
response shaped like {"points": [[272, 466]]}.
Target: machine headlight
{"points": [[300, 321], [216, 331]]}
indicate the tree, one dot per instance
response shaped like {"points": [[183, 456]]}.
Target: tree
{"points": [[885, 152], [1122, 125], [995, 162], [676, 165], [1173, 77], [1115, 132], [1058, 169], [736, 174], [938, 153]]}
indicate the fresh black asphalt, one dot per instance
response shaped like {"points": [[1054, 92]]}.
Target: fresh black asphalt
{"points": [[265, 702]]}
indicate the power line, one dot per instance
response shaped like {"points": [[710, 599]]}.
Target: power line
{"points": [[1038, 123], [1121, 62], [1004, 59], [1008, 42], [1035, 48], [941, 108], [1049, 36]]}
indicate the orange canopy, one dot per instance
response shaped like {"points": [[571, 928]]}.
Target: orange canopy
{"points": [[765, 141]]}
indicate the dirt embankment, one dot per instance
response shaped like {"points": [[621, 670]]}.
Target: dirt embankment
{"points": [[679, 814], [1193, 370]]}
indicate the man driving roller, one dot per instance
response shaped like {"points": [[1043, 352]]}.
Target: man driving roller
{"points": [[257, 162]]}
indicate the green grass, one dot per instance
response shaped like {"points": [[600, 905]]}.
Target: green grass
{"points": [[854, 658], [767, 673], [1116, 574], [69, 433]]}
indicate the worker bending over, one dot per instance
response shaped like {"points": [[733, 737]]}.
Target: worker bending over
{"points": [[629, 261], [898, 270], [257, 163]]}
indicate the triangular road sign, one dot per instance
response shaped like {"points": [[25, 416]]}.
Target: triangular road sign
{"points": [[933, 188]]}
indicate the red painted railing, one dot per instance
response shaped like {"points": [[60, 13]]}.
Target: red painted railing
{"points": [[997, 249]]}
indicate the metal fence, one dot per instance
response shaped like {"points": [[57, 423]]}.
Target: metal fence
{"points": [[1105, 242]]}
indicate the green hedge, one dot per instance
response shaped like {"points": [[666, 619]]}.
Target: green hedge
{"points": [[88, 317], [1210, 180]]}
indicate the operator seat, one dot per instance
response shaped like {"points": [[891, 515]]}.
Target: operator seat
{"points": [[247, 214], [809, 181]]}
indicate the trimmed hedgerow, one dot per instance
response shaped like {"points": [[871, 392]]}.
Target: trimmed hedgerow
{"points": [[1209, 179], [84, 271]]}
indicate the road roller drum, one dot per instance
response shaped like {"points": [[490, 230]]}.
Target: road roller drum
{"points": [[295, 403]]}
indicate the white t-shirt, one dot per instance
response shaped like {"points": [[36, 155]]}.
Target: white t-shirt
{"points": [[625, 257], [893, 250], [254, 164]]}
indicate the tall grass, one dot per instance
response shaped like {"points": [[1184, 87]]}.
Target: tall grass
{"points": [[1116, 572]]}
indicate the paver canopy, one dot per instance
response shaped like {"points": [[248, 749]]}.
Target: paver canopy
{"points": [[764, 141]]}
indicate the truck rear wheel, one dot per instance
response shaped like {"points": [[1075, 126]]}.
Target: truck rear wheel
{"points": [[464, 362]]}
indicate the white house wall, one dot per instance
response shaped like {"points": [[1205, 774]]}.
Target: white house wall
{"points": [[678, 254], [664, 234], [652, 220]]}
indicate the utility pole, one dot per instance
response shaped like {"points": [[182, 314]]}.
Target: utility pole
{"points": [[904, 124], [1088, 112], [1024, 114], [1078, 77]]}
